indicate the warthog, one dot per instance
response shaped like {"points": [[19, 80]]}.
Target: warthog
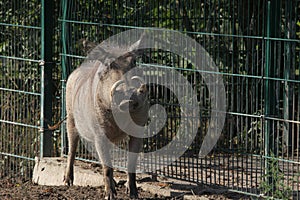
{"points": [[95, 89]]}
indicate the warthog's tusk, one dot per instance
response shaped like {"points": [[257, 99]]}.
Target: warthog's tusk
{"points": [[139, 79], [114, 87]]}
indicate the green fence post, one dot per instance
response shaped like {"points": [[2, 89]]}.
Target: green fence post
{"points": [[273, 29], [46, 77], [65, 62]]}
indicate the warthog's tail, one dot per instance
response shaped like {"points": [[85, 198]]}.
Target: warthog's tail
{"points": [[57, 125]]}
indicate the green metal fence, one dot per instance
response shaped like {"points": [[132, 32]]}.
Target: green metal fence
{"points": [[20, 85], [255, 44], [26, 35]]}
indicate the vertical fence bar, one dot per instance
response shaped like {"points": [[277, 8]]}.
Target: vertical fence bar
{"points": [[65, 73], [288, 91], [267, 97], [46, 76]]}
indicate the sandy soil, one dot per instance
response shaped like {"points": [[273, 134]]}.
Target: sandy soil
{"points": [[21, 189]]}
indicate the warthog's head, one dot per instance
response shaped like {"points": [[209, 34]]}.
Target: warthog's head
{"points": [[129, 95], [120, 88]]}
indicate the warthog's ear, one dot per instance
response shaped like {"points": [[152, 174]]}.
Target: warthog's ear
{"points": [[135, 47]]}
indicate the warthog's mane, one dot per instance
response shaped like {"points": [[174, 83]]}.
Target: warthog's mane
{"points": [[107, 53]]}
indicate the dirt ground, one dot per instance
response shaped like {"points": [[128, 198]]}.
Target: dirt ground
{"points": [[21, 189]]}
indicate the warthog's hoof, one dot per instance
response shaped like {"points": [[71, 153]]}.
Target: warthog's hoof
{"points": [[111, 194], [68, 181], [133, 192]]}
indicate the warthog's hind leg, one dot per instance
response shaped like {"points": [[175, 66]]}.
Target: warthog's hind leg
{"points": [[73, 138]]}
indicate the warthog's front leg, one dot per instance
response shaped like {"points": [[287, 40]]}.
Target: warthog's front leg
{"points": [[109, 183], [73, 138], [102, 147], [135, 147]]}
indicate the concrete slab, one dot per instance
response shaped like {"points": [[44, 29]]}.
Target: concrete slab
{"points": [[194, 197], [50, 171]]}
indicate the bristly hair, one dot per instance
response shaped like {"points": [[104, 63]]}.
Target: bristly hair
{"points": [[107, 52]]}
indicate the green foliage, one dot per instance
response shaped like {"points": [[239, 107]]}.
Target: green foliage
{"points": [[298, 33], [274, 184]]}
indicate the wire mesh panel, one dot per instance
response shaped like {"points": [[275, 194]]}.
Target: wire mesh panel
{"points": [[255, 45], [19, 86], [26, 84]]}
